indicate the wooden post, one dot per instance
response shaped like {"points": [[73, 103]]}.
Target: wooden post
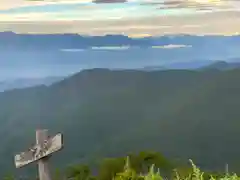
{"points": [[43, 165], [45, 146], [226, 169]]}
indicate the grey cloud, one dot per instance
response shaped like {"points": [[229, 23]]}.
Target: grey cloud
{"points": [[109, 1], [180, 4], [217, 23], [169, 2], [185, 4]]}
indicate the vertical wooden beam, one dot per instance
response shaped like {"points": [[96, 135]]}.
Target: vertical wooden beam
{"points": [[43, 165], [226, 169]]}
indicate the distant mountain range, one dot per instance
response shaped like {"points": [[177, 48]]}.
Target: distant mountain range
{"points": [[197, 65], [10, 40], [222, 65], [201, 65], [27, 82], [34, 55]]}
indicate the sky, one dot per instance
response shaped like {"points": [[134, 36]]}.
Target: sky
{"points": [[134, 18]]}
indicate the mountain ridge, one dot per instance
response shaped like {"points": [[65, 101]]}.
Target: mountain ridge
{"points": [[201, 66], [72, 41], [27, 82], [222, 65], [103, 112]]}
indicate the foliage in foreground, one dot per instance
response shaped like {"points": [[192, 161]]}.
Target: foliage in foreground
{"points": [[145, 166], [142, 166], [196, 174]]}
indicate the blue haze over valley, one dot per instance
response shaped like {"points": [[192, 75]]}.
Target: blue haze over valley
{"points": [[37, 57]]}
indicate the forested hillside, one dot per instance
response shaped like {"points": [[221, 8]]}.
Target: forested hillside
{"points": [[181, 113]]}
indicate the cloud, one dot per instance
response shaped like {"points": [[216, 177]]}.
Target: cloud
{"points": [[199, 5], [12, 4], [217, 23], [24, 17], [71, 12], [172, 46], [109, 1], [135, 17], [139, 35], [111, 48], [72, 50]]}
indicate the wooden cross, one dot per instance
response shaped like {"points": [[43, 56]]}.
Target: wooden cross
{"points": [[40, 152]]}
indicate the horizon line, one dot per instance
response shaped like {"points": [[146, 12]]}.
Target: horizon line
{"points": [[133, 36]]}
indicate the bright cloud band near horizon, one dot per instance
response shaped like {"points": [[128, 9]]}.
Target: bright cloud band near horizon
{"points": [[132, 17]]}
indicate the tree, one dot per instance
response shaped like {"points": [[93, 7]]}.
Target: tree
{"points": [[78, 172], [110, 167]]}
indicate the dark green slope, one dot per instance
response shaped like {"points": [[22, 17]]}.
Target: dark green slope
{"points": [[184, 114]]}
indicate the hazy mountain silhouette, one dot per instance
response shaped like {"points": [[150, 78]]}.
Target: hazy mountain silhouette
{"points": [[222, 65], [196, 65], [10, 40], [27, 82]]}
